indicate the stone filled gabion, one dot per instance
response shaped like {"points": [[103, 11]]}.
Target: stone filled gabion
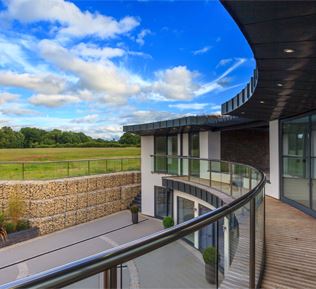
{"points": [[57, 204]]}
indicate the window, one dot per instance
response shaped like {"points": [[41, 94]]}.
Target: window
{"points": [[194, 151], [163, 202]]}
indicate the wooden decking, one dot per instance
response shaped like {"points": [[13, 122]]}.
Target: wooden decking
{"points": [[291, 247]]}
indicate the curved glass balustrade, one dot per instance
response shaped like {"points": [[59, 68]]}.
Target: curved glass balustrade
{"points": [[222, 247]]}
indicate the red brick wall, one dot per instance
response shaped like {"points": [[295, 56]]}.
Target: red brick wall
{"points": [[249, 146]]}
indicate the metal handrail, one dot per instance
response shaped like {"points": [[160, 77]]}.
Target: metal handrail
{"points": [[73, 272]]}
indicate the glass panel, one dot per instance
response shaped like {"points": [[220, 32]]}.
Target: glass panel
{"points": [[259, 233], [172, 145], [185, 213], [233, 247], [163, 202]]}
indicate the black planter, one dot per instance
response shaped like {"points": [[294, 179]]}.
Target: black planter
{"points": [[210, 273], [20, 236], [135, 218]]}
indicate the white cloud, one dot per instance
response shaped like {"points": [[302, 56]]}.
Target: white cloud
{"points": [[39, 83], [94, 52], [189, 106], [91, 118], [145, 116], [72, 21], [7, 97], [220, 81], [140, 39], [224, 61], [17, 110], [53, 100], [116, 84], [203, 50], [175, 83]]}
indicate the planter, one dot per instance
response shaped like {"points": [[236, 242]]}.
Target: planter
{"points": [[210, 273], [135, 218], [20, 236]]}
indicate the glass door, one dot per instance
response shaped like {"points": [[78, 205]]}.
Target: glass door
{"points": [[296, 161], [185, 212]]}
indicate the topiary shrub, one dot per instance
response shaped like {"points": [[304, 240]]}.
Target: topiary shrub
{"points": [[209, 255], [22, 225], [10, 227], [134, 209], [168, 222]]}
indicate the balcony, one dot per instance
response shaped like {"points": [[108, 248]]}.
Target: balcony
{"points": [[230, 256]]}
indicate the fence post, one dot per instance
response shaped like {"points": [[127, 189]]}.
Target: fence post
{"points": [[23, 172], [88, 167], [121, 164], [252, 247], [68, 169]]}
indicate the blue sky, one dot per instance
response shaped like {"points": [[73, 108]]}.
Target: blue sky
{"points": [[94, 66]]}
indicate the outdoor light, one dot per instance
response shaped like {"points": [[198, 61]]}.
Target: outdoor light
{"points": [[280, 84], [288, 50], [261, 101]]}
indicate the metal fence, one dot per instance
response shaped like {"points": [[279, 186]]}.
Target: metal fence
{"points": [[47, 170]]}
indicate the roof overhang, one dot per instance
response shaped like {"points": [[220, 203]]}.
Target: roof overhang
{"points": [[282, 35], [193, 123]]}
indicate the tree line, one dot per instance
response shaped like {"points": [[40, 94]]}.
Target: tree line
{"points": [[31, 137]]}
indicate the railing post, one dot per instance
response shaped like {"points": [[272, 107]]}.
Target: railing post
{"points": [[23, 172], [252, 246], [68, 169], [231, 178], [250, 178], [110, 279], [210, 166]]}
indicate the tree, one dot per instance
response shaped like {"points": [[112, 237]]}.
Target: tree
{"points": [[32, 136], [129, 138]]}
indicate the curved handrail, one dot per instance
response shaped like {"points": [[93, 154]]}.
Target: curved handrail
{"points": [[75, 271]]}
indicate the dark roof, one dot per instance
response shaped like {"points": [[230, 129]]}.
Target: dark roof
{"points": [[192, 123], [286, 81]]}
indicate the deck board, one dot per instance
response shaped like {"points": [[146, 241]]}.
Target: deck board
{"points": [[290, 247]]}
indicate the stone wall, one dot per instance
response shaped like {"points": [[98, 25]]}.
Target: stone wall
{"points": [[57, 204], [248, 146]]}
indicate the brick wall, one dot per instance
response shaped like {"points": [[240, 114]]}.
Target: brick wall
{"points": [[247, 146], [57, 204]]}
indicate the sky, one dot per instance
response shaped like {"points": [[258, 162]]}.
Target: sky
{"points": [[94, 66]]}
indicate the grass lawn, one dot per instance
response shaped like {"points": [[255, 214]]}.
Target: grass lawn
{"points": [[66, 162]]}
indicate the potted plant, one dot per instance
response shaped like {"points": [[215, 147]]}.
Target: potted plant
{"points": [[134, 211], [210, 255], [168, 222]]}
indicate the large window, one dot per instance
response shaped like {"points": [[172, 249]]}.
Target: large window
{"points": [[166, 146], [298, 161], [163, 202], [185, 212]]}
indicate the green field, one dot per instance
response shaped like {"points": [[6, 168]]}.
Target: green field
{"points": [[52, 163]]}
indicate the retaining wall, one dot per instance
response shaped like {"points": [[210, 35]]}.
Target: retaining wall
{"points": [[57, 204]]}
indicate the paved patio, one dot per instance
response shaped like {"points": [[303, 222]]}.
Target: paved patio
{"points": [[177, 265]]}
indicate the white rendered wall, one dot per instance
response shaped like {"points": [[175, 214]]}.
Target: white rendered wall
{"points": [[149, 179], [273, 189]]}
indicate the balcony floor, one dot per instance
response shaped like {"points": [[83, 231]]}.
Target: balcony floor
{"points": [[291, 247]]}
